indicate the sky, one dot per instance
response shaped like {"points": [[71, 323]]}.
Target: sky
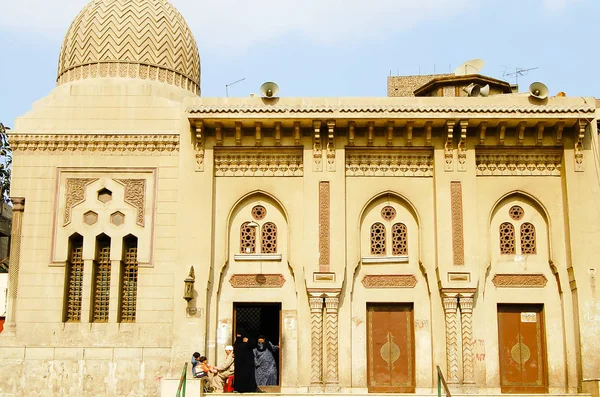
{"points": [[330, 48]]}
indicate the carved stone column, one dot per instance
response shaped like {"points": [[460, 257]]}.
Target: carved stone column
{"points": [[15, 260], [450, 306], [316, 331], [331, 332], [466, 316]]}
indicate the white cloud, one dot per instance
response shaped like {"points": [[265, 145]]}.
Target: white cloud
{"points": [[556, 5], [241, 23]]}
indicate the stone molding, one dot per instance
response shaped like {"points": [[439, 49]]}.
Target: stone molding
{"points": [[518, 161], [389, 281], [257, 280], [104, 144], [520, 280], [385, 162], [259, 162]]}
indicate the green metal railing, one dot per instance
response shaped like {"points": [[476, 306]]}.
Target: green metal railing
{"points": [[442, 382], [182, 382]]}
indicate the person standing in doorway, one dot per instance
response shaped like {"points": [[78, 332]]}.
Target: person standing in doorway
{"points": [[245, 380], [264, 361]]}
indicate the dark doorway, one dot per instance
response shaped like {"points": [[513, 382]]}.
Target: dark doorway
{"points": [[265, 319]]}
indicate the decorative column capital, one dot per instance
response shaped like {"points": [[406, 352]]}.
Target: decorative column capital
{"points": [[466, 304], [316, 304], [18, 204], [332, 304], [450, 304]]}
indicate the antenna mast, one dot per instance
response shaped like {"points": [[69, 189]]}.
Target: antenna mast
{"points": [[230, 84], [519, 72]]}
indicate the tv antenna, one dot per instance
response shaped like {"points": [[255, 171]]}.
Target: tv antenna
{"points": [[518, 72], [230, 84]]}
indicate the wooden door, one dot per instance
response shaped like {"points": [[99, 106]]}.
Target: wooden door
{"points": [[390, 348], [522, 349]]}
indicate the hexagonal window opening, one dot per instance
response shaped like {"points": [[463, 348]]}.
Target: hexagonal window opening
{"points": [[104, 195], [90, 217], [117, 218]]}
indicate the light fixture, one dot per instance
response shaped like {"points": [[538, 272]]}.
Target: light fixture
{"points": [[188, 292]]}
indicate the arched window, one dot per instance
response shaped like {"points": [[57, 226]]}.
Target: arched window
{"points": [[507, 239], [269, 238], [527, 238], [378, 239], [74, 290], [247, 239], [101, 279], [399, 239], [129, 276]]}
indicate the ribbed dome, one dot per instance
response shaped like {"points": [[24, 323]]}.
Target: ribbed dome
{"points": [[147, 39]]}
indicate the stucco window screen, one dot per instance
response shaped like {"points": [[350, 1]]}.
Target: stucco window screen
{"points": [[101, 280], [388, 213], [378, 239], [269, 238], [74, 290], [516, 212], [528, 238], [247, 239], [507, 239], [399, 239], [259, 212], [129, 278]]}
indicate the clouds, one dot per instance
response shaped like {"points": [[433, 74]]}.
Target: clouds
{"points": [[243, 23], [556, 5]]}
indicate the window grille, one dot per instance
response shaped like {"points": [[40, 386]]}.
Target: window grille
{"points": [[516, 212], [129, 277], [507, 239], [247, 239], [378, 239], [102, 280], [399, 239], [259, 212], [75, 280], [269, 238], [388, 213], [528, 238]]}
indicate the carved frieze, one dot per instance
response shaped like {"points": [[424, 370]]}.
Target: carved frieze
{"points": [[458, 243], [112, 144], [389, 281], [389, 162], [75, 195], [257, 280], [512, 162], [135, 195], [324, 226], [520, 280], [259, 162]]}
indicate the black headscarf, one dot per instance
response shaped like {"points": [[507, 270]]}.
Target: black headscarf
{"points": [[266, 345]]}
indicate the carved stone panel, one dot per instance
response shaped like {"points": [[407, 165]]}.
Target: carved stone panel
{"points": [[520, 280], [324, 226], [389, 162], [75, 195], [389, 281], [516, 162], [458, 244], [135, 195], [257, 280], [259, 162]]}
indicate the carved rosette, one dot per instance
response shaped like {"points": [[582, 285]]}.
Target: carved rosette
{"points": [[466, 315], [316, 332], [259, 163], [389, 281], [517, 162], [75, 195], [364, 162], [520, 280], [450, 306], [101, 144], [135, 195], [331, 330], [257, 280]]}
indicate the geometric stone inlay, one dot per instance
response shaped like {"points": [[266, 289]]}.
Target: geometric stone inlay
{"points": [[389, 281], [90, 217], [117, 218], [257, 280], [520, 280]]}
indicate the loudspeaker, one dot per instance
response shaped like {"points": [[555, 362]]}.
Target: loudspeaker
{"points": [[472, 89], [269, 89], [485, 90], [538, 90]]}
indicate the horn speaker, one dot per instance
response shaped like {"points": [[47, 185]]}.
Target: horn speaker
{"points": [[269, 89], [538, 90]]}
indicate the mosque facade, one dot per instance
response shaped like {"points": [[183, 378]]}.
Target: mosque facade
{"points": [[372, 239]]}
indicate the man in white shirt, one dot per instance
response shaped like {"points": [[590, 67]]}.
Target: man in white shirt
{"points": [[224, 370]]}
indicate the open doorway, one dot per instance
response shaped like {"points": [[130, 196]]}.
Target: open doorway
{"points": [[261, 319]]}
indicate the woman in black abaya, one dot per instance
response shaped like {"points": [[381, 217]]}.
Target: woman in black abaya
{"points": [[244, 380]]}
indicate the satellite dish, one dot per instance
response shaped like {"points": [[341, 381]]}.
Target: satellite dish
{"points": [[485, 90], [472, 89], [538, 90], [470, 67], [269, 89]]}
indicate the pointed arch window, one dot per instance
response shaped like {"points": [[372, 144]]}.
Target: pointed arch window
{"points": [[399, 239], [378, 239], [74, 277], [528, 238], [247, 238], [101, 279], [269, 238], [507, 239], [129, 279]]}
